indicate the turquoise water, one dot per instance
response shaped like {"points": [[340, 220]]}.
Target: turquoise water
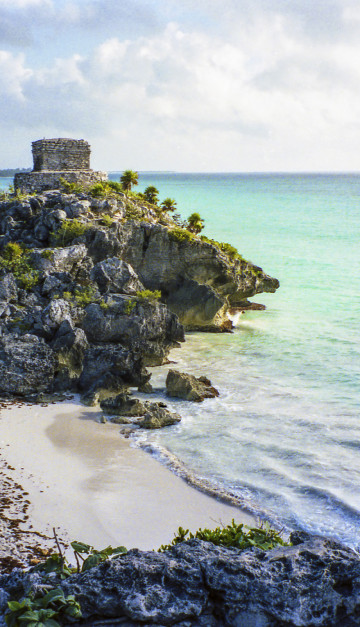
{"points": [[285, 432]]}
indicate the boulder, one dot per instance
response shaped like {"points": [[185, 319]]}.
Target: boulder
{"points": [[27, 365], [116, 276], [188, 387], [148, 327], [123, 405], [158, 416], [50, 260]]}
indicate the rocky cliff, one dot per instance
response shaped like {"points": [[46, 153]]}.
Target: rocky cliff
{"points": [[94, 289]]}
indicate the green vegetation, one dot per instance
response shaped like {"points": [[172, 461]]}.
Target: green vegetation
{"points": [[16, 260], [43, 607], [228, 249], [68, 231], [106, 220], [71, 188], [232, 535], [148, 295], [47, 254], [128, 179], [178, 234], [169, 204], [129, 306], [43, 610], [133, 212], [82, 297], [195, 223], [151, 195]]}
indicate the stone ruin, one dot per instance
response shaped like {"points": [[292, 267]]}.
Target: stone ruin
{"points": [[56, 160]]}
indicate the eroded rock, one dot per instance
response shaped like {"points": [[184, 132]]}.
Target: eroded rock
{"points": [[188, 387]]}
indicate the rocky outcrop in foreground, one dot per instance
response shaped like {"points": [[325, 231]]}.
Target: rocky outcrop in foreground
{"points": [[94, 289], [196, 584]]}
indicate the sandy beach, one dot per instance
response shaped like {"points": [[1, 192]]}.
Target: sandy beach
{"points": [[86, 480]]}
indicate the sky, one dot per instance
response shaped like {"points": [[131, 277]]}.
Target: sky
{"points": [[184, 85]]}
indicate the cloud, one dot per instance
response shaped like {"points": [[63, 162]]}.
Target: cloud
{"points": [[264, 88]]}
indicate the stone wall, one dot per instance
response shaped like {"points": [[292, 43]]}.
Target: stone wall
{"points": [[61, 154], [29, 182]]}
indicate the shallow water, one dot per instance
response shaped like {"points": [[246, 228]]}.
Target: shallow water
{"points": [[284, 433]]}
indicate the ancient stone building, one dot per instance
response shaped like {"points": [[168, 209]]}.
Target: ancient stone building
{"points": [[56, 160]]}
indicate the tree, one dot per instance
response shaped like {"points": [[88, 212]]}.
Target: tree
{"points": [[151, 195], [195, 223], [169, 204], [128, 179]]}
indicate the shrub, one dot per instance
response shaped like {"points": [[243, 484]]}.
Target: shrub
{"points": [[228, 249], [148, 295], [71, 188], [129, 306], [115, 186], [106, 220], [68, 231], [232, 535], [16, 260], [178, 234], [47, 254]]}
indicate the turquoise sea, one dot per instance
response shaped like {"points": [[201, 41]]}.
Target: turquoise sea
{"points": [[285, 432]]}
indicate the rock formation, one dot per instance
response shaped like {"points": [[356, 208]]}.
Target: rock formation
{"points": [[316, 582], [93, 289], [188, 387]]}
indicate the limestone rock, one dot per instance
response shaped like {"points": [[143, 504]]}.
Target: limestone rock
{"points": [[158, 416], [188, 387], [58, 259], [123, 405], [8, 288], [148, 328], [116, 276], [27, 365]]}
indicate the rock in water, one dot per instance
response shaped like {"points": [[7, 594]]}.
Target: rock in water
{"points": [[158, 416], [188, 387]]}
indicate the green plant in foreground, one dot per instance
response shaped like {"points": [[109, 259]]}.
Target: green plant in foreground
{"points": [[71, 188], [42, 610], [16, 260], [233, 535]]}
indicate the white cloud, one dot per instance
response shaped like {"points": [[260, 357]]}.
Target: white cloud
{"points": [[268, 97]]}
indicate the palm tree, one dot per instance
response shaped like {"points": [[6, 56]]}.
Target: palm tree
{"points": [[195, 223], [128, 179], [151, 195], [169, 204]]}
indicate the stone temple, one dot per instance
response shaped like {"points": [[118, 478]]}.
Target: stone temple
{"points": [[56, 159]]}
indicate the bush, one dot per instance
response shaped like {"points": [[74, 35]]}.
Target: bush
{"points": [[232, 535], [106, 220], [16, 260], [178, 234], [71, 188], [228, 249], [68, 231], [148, 295]]}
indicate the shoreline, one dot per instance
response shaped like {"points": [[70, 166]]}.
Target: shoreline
{"points": [[86, 480]]}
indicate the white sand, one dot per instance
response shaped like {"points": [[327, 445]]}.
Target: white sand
{"points": [[87, 481]]}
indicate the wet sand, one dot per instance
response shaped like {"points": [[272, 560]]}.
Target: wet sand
{"points": [[86, 480]]}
